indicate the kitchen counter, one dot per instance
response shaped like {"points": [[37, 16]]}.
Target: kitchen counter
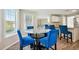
{"points": [[75, 33]]}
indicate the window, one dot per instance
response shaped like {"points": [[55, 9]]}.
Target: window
{"points": [[10, 20], [70, 21], [28, 21]]}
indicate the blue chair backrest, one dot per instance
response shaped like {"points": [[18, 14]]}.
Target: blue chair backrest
{"points": [[52, 27], [29, 34], [49, 26], [30, 27], [63, 28], [46, 26], [53, 36], [48, 35], [20, 36]]}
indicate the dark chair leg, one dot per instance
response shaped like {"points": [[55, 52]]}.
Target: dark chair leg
{"points": [[39, 46], [52, 48], [47, 48], [60, 36], [34, 46], [71, 37], [31, 45], [64, 36], [67, 38], [21, 48], [55, 46]]}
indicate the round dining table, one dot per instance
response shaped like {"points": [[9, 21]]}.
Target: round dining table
{"points": [[35, 34]]}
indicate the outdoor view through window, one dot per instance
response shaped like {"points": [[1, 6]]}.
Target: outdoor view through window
{"points": [[10, 20]]}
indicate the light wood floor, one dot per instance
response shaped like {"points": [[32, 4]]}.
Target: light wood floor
{"points": [[61, 45]]}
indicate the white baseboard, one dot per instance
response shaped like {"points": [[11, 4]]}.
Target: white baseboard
{"points": [[10, 45]]}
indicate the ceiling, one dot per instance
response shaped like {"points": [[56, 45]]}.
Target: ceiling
{"points": [[55, 11]]}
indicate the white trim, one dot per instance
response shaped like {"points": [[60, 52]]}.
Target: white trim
{"points": [[10, 35], [10, 45]]}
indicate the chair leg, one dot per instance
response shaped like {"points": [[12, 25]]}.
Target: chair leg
{"points": [[21, 48], [55, 46], [31, 45], [60, 37], [71, 37], [67, 38], [34, 46], [39, 46], [52, 48], [64, 36]]}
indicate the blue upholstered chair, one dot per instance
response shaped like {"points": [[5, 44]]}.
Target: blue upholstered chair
{"points": [[46, 26], [24, 41], [30, 27], [50, 40], [49, 26], [67, 34], [52, 27]]}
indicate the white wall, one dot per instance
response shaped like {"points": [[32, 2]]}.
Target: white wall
{"points": [[43, 19], [64, 19], [1, 32], [0, 26]]}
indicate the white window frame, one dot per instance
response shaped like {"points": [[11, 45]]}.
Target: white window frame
{"points": [[25, 20], [70, 22], [6, 35]]}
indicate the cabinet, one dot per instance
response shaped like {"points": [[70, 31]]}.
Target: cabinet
{"points": [[56, 20], [76, 34]]}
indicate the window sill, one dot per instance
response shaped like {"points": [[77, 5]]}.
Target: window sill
{"points": [[10, 35]]}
